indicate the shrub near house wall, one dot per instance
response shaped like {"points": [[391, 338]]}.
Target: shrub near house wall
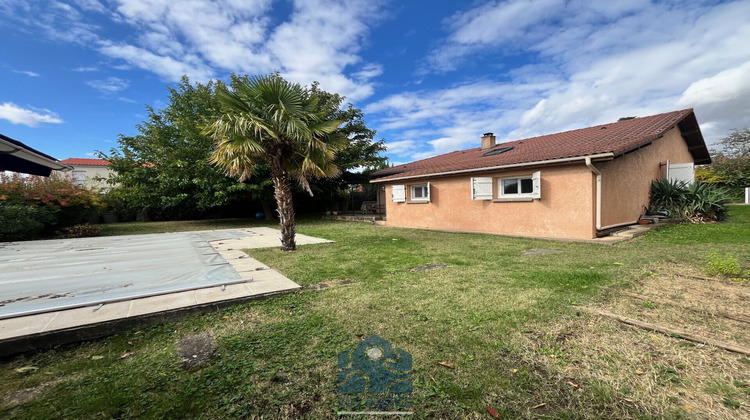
{"points": [[19, 222], [698, 202], [35, 206]]}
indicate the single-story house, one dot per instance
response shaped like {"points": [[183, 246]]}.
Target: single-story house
{"points": [[575, 184], [18, 157], [89, 172]]}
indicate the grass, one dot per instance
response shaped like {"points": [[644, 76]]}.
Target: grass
{"points": [[506, 322], [137, 228]]}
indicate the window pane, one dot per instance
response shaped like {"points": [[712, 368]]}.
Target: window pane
{"points": [[418, 192], [510, 186], [527, 186]]}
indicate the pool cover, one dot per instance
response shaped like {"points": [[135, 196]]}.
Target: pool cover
{"points": [[43, 276]]}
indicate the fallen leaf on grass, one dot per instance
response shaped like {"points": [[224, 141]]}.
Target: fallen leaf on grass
{"points": [[446, 364], [27, 369], [492, 412], [225, 317], [539, 405], [97, 357], [688, 406], [127, 354], [639, 372], [574, 385]]}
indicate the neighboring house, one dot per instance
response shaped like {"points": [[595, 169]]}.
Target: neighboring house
{"points": [[89, 172], [573, 184], [18, 157]]}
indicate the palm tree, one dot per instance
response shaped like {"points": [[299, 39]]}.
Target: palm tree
{"points": [[268, 120]]}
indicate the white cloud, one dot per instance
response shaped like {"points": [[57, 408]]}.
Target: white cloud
{"points": [[26, 72], [402, 147], [319, 40], [111, 85], [84, 69], [588, 63], [167, 67], [339, 29], [725, 86], [31, 117], [90, 5]]}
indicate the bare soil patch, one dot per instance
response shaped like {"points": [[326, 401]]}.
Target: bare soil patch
{"points": [[196, 350], [23, 395]]}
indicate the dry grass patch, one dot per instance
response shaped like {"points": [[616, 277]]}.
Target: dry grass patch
{"points": [[644, 371]]}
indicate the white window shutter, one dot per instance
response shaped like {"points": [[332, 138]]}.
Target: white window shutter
{"points": [[681, 172], [481, 188], [428, 191], [398, 193], [536, 178]]}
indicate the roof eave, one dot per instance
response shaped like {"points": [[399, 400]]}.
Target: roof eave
{"points": [[27, 154], [599, 156], [691, 132]]}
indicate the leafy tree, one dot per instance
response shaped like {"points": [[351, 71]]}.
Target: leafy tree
{"points": [[731, 164], [268, 120], [165, 169], [736, 144], [361, 153]]}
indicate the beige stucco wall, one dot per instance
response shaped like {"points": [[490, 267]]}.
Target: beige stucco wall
{"points": [[566, 209], [92, 173], [626, 180]]}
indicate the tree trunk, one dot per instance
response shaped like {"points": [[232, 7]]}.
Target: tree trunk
{"points": [[283, 193]]}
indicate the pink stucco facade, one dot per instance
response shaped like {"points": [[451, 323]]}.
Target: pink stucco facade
{"points": [[567, 208], [626, 180]]}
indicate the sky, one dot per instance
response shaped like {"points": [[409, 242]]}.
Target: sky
{"points": [[431, 75]]}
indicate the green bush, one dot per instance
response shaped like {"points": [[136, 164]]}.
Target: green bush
{"points": [[726, 266], [697, 202], [68, 204], [20, 222]]}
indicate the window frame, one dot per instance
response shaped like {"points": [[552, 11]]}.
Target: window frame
{"points": [[536, 188], [501, 187], [425, 189]]}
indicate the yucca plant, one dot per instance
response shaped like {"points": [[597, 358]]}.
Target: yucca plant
{"points": [[706, 202], [668, 195], [697, 202]]}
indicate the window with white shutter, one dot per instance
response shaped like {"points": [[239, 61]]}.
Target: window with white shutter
{"points": [[481, 188], [419, 193], [520, 187], [398, 193], [536, 179]]}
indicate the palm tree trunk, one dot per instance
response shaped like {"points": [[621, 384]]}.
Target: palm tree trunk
{"points": [[283, 192]]}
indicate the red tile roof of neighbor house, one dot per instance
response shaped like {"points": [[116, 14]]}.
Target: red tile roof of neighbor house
{"points": [[85, 162], [616, 138]]}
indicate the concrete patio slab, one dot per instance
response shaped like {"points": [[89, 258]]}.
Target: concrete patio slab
{"points": [[253, 280]]}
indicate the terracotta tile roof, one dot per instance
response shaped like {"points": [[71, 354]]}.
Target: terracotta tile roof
{"points": [[85, 161], [617, 138]]}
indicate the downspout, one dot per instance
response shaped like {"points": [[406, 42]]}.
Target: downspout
{"points": [[599, 199], [598, 193]]}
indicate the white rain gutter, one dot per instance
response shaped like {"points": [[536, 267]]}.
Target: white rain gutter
{"points": [[599, 198], [492, 168]]}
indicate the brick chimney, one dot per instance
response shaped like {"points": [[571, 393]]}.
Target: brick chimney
{"points": [[488, 141]]}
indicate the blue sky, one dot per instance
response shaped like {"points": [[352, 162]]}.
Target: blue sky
{"points": [[431, 76]]}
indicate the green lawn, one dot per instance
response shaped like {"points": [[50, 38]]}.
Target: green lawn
{"points": [[277, 357]]}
